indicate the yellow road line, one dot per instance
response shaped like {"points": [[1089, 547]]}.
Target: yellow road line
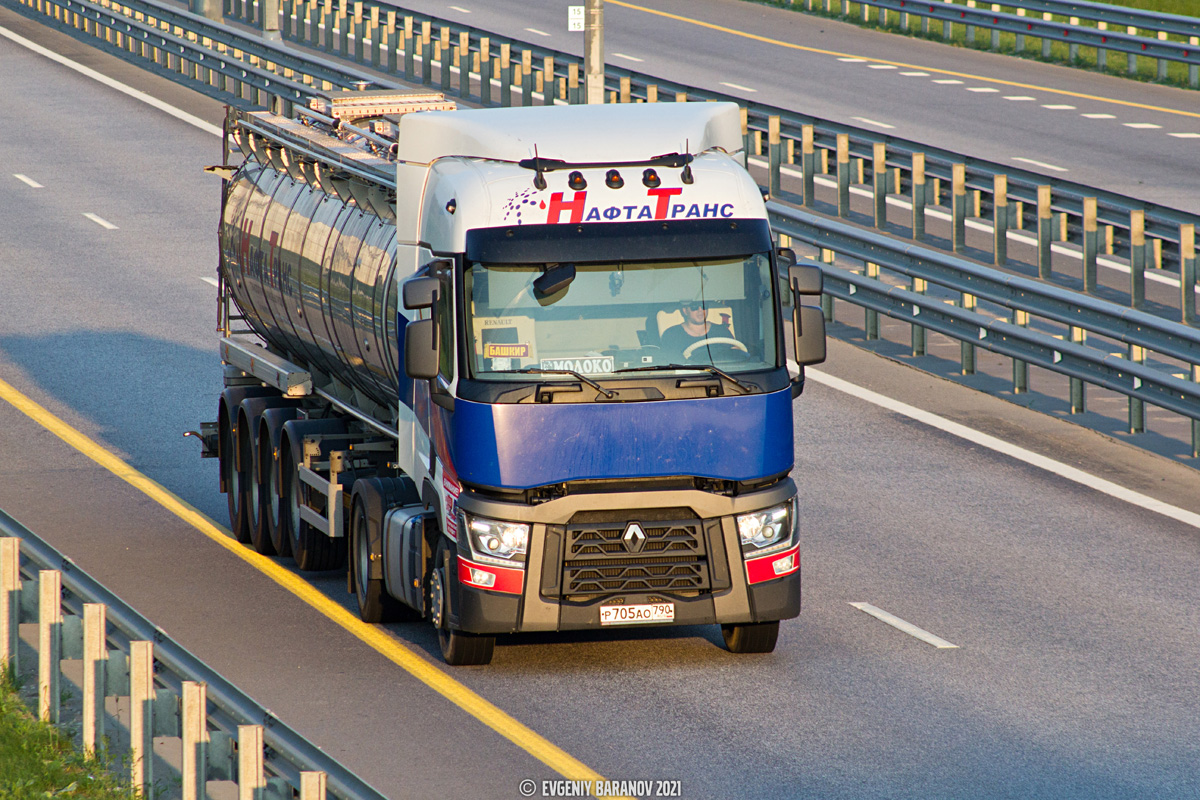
{"points": [[519, 734], [791, 46]]}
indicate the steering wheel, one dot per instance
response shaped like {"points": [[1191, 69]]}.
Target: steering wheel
{"points": [[694, 346]]}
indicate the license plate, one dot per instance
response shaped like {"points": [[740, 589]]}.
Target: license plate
{"points": [[634, 615]]}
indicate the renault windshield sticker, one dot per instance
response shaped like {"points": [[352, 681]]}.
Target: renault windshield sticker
{"points": [[586, 365]]}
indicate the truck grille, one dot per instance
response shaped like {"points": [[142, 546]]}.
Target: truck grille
{"points": [[601, 559]]}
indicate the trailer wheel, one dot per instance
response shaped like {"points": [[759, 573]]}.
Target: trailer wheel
{"points": [[235, 485], [374, 602], [459, 649], [274, 516], [758, 637], [312, 550], [252, 476]]}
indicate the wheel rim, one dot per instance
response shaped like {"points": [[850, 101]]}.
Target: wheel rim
{"points": [[255, 501], [294, 509], [436, 598], [273, 491]]}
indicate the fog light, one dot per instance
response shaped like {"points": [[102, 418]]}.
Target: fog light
{"points": [[783, 565], [486, 579]]}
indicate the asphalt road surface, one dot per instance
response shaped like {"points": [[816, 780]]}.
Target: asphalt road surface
{"points": [[1074, 612]]}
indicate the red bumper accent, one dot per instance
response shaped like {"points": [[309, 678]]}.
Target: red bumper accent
{"points": [[763, 569], [509, 581]]}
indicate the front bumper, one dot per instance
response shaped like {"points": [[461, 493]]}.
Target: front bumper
{"points": [[730, 590]]}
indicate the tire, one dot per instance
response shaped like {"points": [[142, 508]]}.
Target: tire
{"points": [[374, 602], [312, 550], [253, 477], [757, 637], [459, 649], [273, 518], [235, 484]]}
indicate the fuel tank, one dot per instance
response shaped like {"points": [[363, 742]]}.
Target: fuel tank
{"points": [[314, 275]]}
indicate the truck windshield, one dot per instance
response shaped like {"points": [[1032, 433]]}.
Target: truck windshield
{"points": [[611, 317]]}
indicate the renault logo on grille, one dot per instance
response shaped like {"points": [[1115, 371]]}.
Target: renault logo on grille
{"points": [[634, 537]]}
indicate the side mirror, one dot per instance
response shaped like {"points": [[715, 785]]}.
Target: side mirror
{"points": [[420, 347], [806, 279], [808, 325], [421, 293]]}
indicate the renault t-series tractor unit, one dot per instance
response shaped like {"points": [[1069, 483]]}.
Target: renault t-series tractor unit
{"points": [[518, 369]]}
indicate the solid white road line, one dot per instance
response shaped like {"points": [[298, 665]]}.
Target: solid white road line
{"points": [[739, 87], [112, 84], [103, 223], [907, 627], [877, 124], [1007, 448], [28, 181], [1041, 164]]}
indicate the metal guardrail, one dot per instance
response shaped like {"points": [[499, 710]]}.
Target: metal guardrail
{"points": [[224, 734], [1032, 312], [1100, 26]]}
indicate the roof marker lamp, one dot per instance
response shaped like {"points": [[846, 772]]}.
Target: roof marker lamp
{"points": [[576, 182], [613, 179], [650, 179], [496, 541], [765, 529]]}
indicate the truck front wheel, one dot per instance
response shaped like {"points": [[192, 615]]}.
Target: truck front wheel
{"points": [[758, 637], [458, 649]]}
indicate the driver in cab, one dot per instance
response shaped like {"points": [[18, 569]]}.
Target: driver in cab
{"points": [[695, 329]]}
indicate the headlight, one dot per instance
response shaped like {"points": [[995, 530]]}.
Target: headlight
{"points": [[493, 539], [765, 528]]}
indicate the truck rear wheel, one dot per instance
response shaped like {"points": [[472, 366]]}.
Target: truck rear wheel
{"points": [[235, 485], [274, 515], [459, 649], [758, 637], [374, 602]]}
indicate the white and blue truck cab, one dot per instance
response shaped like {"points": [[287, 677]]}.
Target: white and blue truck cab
{"points": [[527, 367]]}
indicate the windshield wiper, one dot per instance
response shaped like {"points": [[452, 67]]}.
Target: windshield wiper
{"points": [[539, 371], [693, 367]]}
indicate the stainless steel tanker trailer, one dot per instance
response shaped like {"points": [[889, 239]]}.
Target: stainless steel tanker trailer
{"points": [[527, 367]]}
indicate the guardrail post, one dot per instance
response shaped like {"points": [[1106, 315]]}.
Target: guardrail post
{"points": [[1193, 69], [919, 196], [1045, 232], [651, 92], [681, 97], [871, 316], [141, 716], [1137, 409], [250, 762], [408, 48], [387, 40], [624, 90], [958, 207], [374, 59], [879, 184], [426, 52], [1073, 47], [774, 155], [506, 74], [1090, 244], [1101, 53], [1196, 422], [49, 644], [342, 40], [195, 740], [827, 257], [1137, 258], [1046, 42], [1078, 398], [1000, 220], [356, 30], [1187, 273], [967, 349], [95, 661], [808, 163], [526, 77], [485, 71], [10, 602], [745, 115], [919, 334], [843, 174], [462, 59], [573, 84], [312, 785], [1020, 368]]}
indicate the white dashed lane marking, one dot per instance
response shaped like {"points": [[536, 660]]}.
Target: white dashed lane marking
{"points": [[915, 74], [1019, 98], [876, 123], [28, 181], [1041, 164], [103, 223], [1185, 135], [536, 32], [907, 627], [460, 9], [1059, 107], [737, 86], [1142, 126], [947, 81], [209, 280], [982, 89], [627, 58], [1097, 116]]}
